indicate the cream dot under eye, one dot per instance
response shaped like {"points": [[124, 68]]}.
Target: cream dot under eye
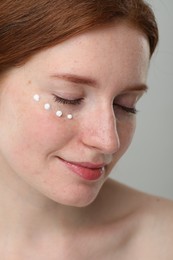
{"points": [[36, 97], [69, 116], [59, 113], [47, 106]]}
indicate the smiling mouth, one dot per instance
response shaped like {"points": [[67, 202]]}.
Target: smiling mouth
{"points": [[85, 170]]}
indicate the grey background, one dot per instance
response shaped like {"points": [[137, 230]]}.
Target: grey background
{"points": [[148, 164]]}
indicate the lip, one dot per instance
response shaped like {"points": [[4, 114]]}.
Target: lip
{"points": [[86, 170]]}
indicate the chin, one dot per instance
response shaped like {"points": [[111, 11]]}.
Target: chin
{"points": [[81, 203], [80, 197]]}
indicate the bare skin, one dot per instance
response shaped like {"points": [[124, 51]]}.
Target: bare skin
{"points": [[47, 211], [109, 228]]}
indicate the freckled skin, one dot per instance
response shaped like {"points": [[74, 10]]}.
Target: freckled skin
{"points": [[51, 212], [37, 136]]}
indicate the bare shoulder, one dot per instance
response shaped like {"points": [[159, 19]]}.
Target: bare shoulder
{"points": [[150, 219], [143, 203], [133, 199], [157, 214], [154, 229], [154, 233]]}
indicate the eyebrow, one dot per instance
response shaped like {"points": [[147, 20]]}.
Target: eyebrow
{"points": [[76, 79], [140, 87], [92, 82]]}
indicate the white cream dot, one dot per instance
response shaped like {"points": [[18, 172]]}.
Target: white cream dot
{"points": [[47, 106], [36, 97], [59, 113], [69, 116]]}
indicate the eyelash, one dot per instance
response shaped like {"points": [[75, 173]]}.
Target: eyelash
{"points": [[68, 101], [129, 110], [74, 102]]}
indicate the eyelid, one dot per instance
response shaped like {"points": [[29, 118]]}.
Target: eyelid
{"points": [[130, 110], [128, 100], [65, 101]]}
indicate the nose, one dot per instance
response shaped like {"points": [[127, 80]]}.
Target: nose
{"points": [[101, 132]]}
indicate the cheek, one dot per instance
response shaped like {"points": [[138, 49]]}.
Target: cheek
{"points": [[35, 134], [43, 131], [126, 132]]}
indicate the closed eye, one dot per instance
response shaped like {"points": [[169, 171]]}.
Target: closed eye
{"points": [[78, 101], [130, 110], [68, 101]]}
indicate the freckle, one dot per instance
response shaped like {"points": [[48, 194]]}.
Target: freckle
{"points": [[158, 200], [29, 82]]}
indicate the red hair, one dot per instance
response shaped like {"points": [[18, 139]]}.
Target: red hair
{"points": [[28, 26]]}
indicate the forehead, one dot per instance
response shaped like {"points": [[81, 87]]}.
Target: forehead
{"points": [[105, 53]]}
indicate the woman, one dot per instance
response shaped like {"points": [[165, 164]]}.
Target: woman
{"points": [[71, 75]]}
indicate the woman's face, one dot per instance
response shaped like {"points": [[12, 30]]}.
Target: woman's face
{"points": [[97, 77]]}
